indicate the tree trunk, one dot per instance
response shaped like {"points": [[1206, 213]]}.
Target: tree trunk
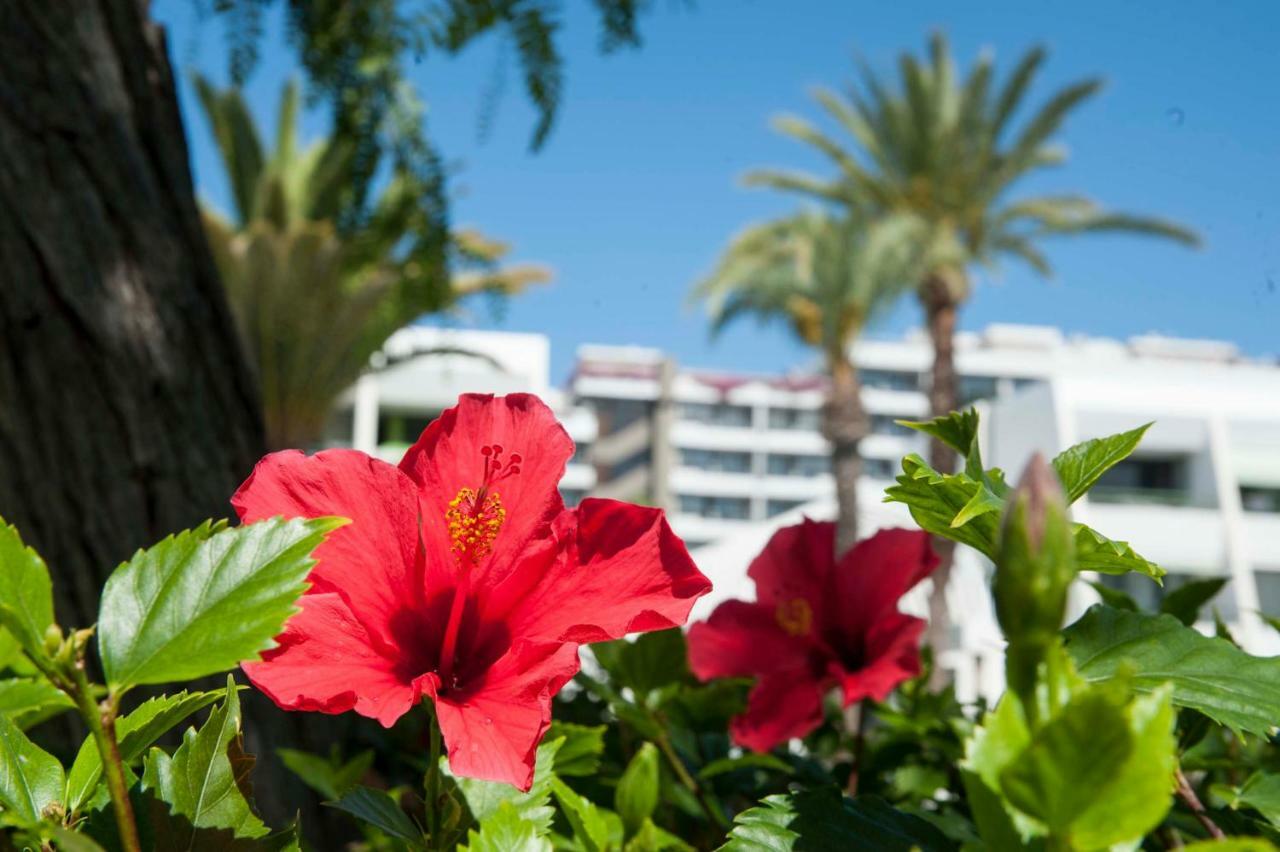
{"points": [[126, 408], [940, 296], [845, 424]]}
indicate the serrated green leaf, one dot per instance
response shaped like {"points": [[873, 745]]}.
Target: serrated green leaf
{"points": [[30, 778], [26, 592], [994, 745], [579, 754], [1096, 552], [823, 819], [27, 701], [1210, 675], [1231, 844], [484, 798], [589, 822], [505, 830], [958, 430], [935, 500], [204, 600], [330, 778], [379, 809], [1184, 603], [135, 731], [1079, 467], [636, 796], [207, 778]]}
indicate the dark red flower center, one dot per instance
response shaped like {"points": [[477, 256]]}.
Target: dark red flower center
{"points": [[475, 517]]}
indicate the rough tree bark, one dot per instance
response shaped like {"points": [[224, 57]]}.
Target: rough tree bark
{"points": [[940, 296], [126, 408], [845, 424]]}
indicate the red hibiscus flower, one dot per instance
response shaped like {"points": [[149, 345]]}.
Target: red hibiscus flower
{"points": [[817, 624], [462, 578]]}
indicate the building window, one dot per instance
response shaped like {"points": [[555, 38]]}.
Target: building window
{"points": [[973, 388], [1258, 498], [1268, 590], [899, 380], [725, 461], [787, 464], [731, 508], [777, 507], [802, 419], [630, 463], [616, 414], [572, 496], [582, 452], [1144, 480], [402, 428], [716, 413], [886, 424], [878, 468]]}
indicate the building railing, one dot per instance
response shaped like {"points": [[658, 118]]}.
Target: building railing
{"points": [[1150, 496]]}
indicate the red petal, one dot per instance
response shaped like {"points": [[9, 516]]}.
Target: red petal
{"points": [[448, 457], [326, 662], [878, 571], [372, 561], [622, 571], [796, 563], [741, 639], [893, 655], [781, 706], [492, 730]]}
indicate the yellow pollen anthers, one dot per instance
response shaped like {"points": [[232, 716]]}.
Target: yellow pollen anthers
{"points": [[795, 616], [474, 523]]}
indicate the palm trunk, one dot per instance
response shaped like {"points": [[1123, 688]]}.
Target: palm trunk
{"points": [[940, 297], [845, 424]]}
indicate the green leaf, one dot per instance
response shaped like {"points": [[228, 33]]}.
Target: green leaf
{"points": [[204, 600], [936, 500], [824, 819], [135, 732], [637, 794], [650, 838], [207, 778], [505, 830], [29, 701], [650, 662], [1231, 844], [26, 592], [330, 778], [1096, 552], [1099, 771], [958, 430], [1079, 467], [1114, 597], [379, 809], [1208, 674], [1184, 603], [994, 745], [1262, 793], [589, 822], [484, 798], [10, 650], [579, 754], [66, 840], [30, 778]]}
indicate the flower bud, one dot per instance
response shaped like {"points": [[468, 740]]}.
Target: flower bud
{"points": [[52, 639], [1035, 565]]}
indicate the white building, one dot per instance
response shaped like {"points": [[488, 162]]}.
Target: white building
{"points": [[734, 456]]}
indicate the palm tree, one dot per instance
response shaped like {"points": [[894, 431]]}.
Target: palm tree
{"points": [[826, 277], [951, 152], [314, 294]]}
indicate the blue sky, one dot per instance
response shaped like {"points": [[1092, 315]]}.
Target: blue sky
{"points": [[637, 190]]}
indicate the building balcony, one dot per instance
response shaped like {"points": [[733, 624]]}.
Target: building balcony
{"points": [[1179, 538]]}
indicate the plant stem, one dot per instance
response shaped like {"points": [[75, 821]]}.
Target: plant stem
{"points": [[101, 719], [682, 772], [1188, 796], [859, 745], [432, 784]]}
